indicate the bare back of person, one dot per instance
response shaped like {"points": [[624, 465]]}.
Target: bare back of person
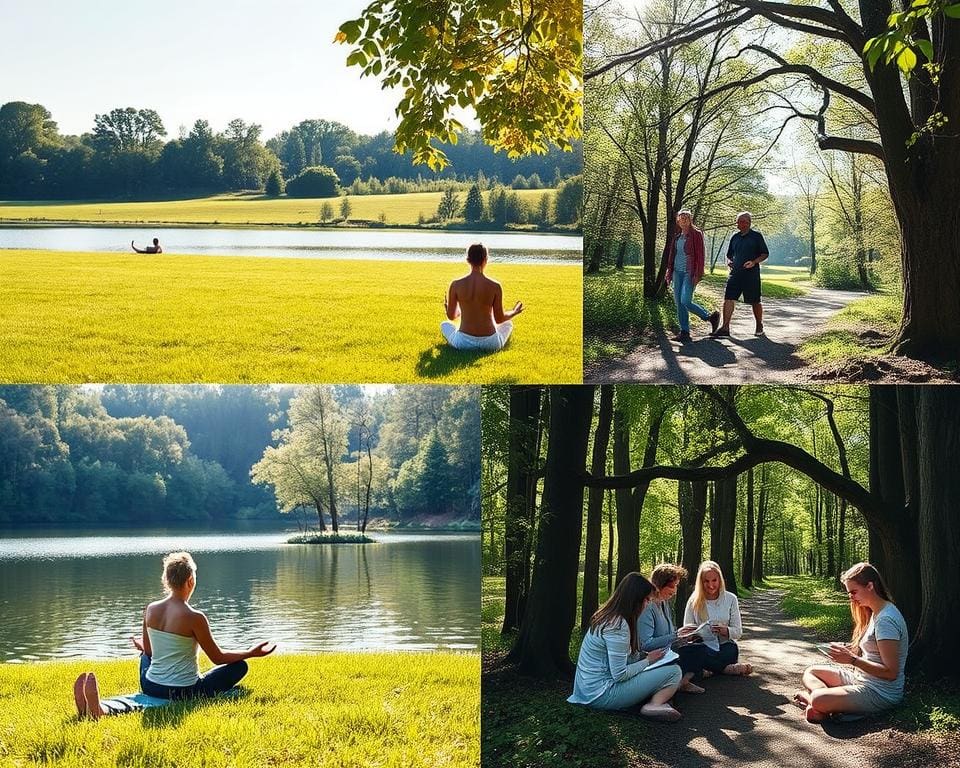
{"points": [[172, 616], [477, 295]]}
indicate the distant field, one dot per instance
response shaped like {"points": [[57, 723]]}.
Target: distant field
{"points": [[94, 317], [340, 710], [240, 209]]}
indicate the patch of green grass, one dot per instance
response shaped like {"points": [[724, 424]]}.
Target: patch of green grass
{"points": [[337, 709], [240, 209], [776, 283], [861, 329], [96, 317]]}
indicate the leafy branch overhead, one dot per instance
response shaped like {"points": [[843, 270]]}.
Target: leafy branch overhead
{"points": [[516, 63]]}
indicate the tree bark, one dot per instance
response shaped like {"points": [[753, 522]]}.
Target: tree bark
{"points": [[521, 463], [542, 646], [591, 555], [761, 526], [726, 512], [746, 569], [692, 501]]}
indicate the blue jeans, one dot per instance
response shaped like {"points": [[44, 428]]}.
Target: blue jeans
{"points": [[217, 680], [716, 661], [683, 298]]}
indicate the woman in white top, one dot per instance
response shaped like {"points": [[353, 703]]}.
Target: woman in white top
{"points": [[877, 653], [710, 603], [172, 632], [610, 671]]}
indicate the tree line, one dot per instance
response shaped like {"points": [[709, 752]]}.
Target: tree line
{"points": [[604, 481], [125, 156], [137, 454]]}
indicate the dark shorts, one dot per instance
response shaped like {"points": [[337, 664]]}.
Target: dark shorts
{"points": [[743, 282]]}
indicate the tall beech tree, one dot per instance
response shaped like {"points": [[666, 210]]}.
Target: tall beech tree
{"points": [[915, 110]]}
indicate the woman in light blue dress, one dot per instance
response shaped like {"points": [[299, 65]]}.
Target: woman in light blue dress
{"points": [[612, 673]]}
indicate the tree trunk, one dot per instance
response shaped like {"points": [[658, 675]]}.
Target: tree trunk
{"points": [[621, 254], [746, 569], [692, 502], [591, 556], [542, 646], [628, 533], [521, 462], [610, 539], [726, 511], [761, 526]]}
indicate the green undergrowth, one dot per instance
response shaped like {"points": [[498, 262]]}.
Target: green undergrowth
{"points": [[814, 603], [337, 709], [863, 328]]}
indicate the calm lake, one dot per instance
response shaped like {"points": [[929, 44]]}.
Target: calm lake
{"points": [[389, 245], [81, 594]]}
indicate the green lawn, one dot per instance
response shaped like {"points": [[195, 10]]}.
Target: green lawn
{"points": [[861, 329], [240, 209], [338, 709], [96, 317]]}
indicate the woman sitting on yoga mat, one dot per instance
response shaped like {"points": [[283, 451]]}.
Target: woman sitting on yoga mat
{"points": [[610, 671], [710, 603], [172, 631], [877, 652]]}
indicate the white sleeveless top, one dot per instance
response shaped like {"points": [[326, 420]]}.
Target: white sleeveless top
{"points": [[174, 660]]}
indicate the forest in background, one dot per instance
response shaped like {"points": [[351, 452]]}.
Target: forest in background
{"points": [[582, 485], [163, 454], [125, 156]]}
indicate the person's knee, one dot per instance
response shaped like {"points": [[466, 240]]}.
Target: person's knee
{"points": [[675, 676], [242, 668]]}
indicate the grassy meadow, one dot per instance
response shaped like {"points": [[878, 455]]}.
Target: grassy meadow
{"points": [[344, 710], [240, 209], [96, 317]]}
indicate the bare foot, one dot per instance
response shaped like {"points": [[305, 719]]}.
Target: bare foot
{"points": [[738, 669], [706, 673], [663, 712], [813, 716], [91, 692], [689, 687], [800, 698], [78, 697]]}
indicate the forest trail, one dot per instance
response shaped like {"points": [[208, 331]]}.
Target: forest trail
{"points": [[750, 721], [741, 358]]}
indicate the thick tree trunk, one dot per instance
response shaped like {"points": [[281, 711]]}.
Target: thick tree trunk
{"points": [[591, 555], [746, 569], [628, 528], [542, 646], [692, 502], [726, 511], [521, 463], [761, 526], [938, 414]]}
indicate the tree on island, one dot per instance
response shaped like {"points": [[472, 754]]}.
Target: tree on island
{"points": [[516, 63]]}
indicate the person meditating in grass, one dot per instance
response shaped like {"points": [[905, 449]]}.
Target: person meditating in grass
{"points": [[478, 302], [155, 248], [877, 654], [172, 631]]}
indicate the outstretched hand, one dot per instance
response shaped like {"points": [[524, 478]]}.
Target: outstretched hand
{"points": [[518, 308], [261, 649]]}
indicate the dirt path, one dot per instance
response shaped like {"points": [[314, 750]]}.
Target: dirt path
{"points": [[750, 721], [742, 358]]}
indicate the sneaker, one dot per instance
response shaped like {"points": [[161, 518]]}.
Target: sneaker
{"points": [[714, 321], [720, 332], [662, 712], [759, 330], [684, 337]]}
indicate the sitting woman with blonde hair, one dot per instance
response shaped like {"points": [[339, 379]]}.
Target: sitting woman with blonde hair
{"points": [[172, 632], [610, 671], [877, 652], [713, 605]]}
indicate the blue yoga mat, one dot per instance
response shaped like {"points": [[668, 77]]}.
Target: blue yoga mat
{"points": [[137, 702]]}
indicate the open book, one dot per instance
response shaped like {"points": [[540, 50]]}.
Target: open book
{"points": [[709, 638], [668, 658]]}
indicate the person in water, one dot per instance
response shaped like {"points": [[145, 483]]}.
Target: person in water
{"points": [[155, 248], [478, 302], [172, 632]]}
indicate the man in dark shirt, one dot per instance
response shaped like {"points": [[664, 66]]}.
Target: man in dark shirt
{"points": [[746, 250]]}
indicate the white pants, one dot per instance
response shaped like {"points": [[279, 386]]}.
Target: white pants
{"points": [[492, 343]]}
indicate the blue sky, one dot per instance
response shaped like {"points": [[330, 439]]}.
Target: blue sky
{"points": [[268, 63]]}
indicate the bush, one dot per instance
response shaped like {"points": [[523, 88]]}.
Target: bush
{"points": [[318, 181], [274, 186], [837, 274]]}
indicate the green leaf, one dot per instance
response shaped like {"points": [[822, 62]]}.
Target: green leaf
{"points": [[352, 30], [952, 11], [926, 48], [357, 58], [907, 60]]}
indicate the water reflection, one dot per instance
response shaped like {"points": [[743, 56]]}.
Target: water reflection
{"points": [[406, 592], [390, 245]]}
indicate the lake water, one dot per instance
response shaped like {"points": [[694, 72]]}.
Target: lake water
{"points": [[67, 595], [390, 245]]}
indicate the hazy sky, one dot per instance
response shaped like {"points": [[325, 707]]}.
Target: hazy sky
{"points": [[269, 63]]}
